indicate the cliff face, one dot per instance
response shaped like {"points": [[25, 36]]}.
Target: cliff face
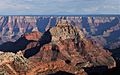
{"points": [[103, 29], [70, 51]]}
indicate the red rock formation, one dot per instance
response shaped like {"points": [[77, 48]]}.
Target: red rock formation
{"points": [[87, 54], [98, 55], [35, 35]]}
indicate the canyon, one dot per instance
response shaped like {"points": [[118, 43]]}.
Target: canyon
{"points": [[63, 47], [103, 29]]}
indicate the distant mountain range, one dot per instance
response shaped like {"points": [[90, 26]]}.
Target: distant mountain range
{"points": [[102, 29]]}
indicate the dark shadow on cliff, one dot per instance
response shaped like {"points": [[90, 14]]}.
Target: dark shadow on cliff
{"points": [[55, 51], [14, 47], [22, 42], [115, 52], [45, 39], [99, 70], [61, 73]]}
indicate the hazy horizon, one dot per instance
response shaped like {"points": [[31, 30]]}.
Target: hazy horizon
{"points": [[59, 7]]}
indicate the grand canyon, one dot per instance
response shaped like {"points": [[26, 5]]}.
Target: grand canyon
{"points": [[57, 45]]}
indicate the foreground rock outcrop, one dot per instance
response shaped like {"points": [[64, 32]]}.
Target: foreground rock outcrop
{"points": [[61, 48]]}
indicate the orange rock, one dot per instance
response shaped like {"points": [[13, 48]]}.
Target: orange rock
{"points": [[33, 36]]}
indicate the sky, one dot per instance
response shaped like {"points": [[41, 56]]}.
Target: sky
{"points": [[59, 7]]}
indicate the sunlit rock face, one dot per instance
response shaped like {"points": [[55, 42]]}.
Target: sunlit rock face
{"points": [[35, 35], [63, 30]]}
